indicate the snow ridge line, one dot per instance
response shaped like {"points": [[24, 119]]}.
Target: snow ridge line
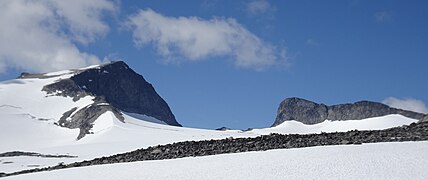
{"points": [[33, 154], [11, 106]]}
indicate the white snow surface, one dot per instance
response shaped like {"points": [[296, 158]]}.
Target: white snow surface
{"points": [[59, 73], [28, 114], [295, 127], [145, 117], [405, 160]]}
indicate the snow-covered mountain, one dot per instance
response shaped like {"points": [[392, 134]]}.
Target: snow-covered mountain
{"points": [[76, 98], [108, 109]]}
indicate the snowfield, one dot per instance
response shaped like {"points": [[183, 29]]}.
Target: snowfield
{"points": [[376, 123], [405, 160], [28, 116]]}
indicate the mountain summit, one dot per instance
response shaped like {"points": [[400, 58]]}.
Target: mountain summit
{"points": [[126, 90], [112, 87], [309, 112]]}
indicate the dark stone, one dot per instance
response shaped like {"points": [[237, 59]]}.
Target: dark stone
{"points": [[309, 112]]}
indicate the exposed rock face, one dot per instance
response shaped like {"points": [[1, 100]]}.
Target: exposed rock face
{"points": [[126, 90], [65, 87], [309, 112], [85, 117], [301, 110]]}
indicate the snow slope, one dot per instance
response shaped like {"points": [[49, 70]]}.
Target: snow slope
{"points": [[376, 123], [27, 117], [406, 160]]}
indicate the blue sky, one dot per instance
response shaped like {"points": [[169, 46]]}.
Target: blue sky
{"points": [[230, 63]]}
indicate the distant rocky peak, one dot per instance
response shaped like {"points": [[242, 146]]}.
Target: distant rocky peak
{"points": [[309, 112]]}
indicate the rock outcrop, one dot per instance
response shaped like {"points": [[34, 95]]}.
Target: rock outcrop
{"points": [[86, 116], [309, 112]]}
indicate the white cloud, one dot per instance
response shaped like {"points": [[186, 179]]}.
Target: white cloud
{"points": [[39, 35], [257, 7], [407, 104], [312, 42], [383, 16], [196, 39]]}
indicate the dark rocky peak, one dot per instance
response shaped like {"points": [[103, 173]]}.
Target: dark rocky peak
{"points": [[309, 112], [126, 90], [302, 110]]}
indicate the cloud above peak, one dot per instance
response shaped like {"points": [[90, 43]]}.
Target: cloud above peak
{"points": [[257, 7], [383, 16], [40, 35], [196, 39], [407, 104]]}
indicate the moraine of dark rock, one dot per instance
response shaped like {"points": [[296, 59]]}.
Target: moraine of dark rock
{"points": [[309, 112], [116, 87]]}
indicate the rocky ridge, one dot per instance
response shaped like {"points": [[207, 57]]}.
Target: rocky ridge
{"points": [[86, 116], [413, 132], [309, 112]]}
